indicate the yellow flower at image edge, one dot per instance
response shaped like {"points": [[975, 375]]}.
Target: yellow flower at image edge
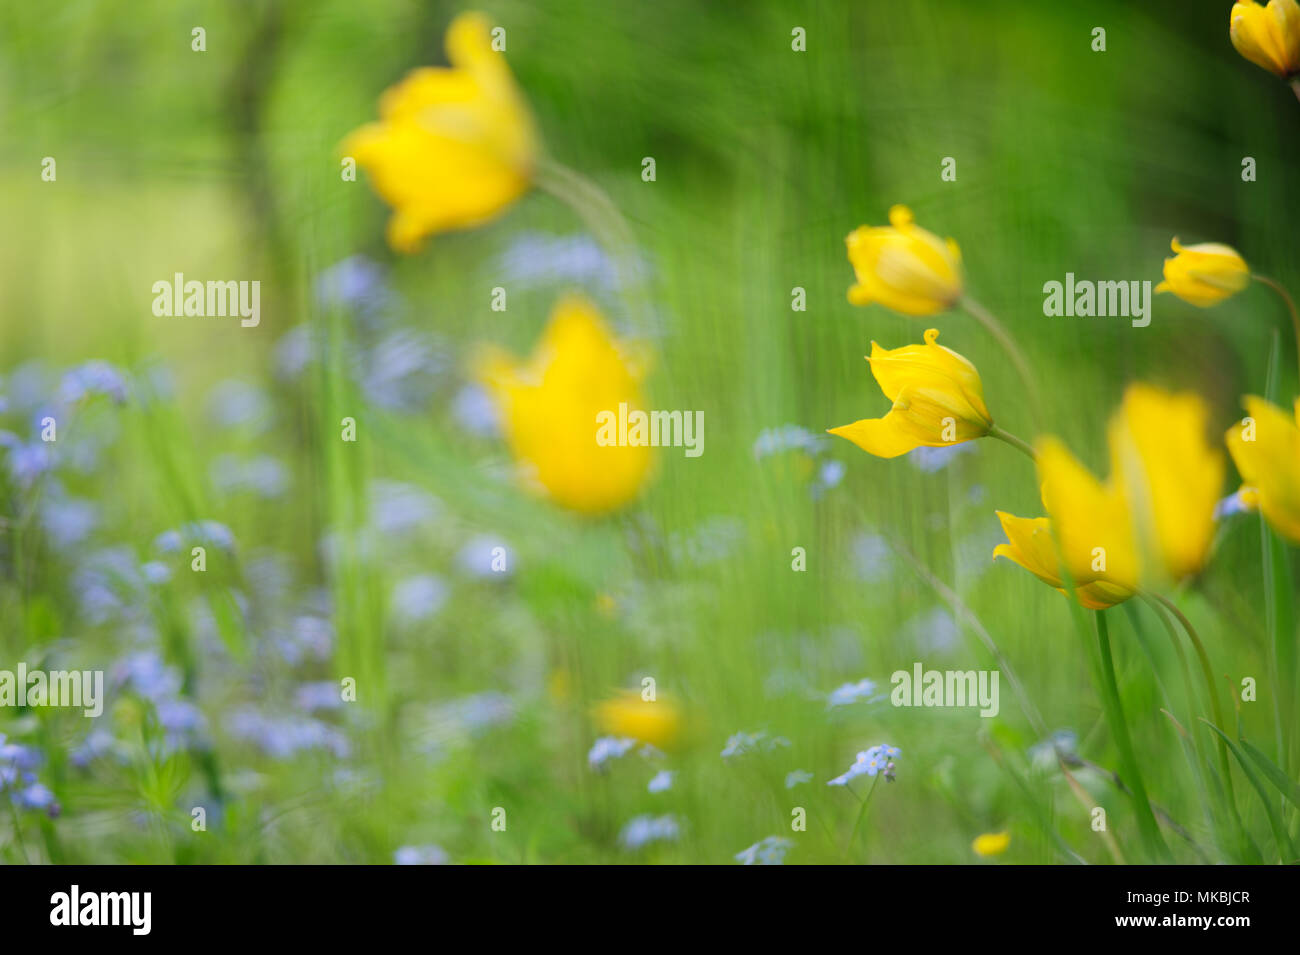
{"points": [[938, 400], [454, 146], [903, 267], [549, 406], [991, 843], [1266, 450], [1204, 274], [656, 722], [1268, 36]]}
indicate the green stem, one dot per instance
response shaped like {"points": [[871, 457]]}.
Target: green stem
{"points": [[1008, 344], [1208, 673], [1280, 289], [862, 814], [1119, 726], [1018, 443]]}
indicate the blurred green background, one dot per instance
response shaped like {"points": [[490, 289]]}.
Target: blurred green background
{"points": [[475, 690]]}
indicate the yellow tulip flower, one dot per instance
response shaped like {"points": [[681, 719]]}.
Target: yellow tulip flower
{"points": [[1032, 546], [904, 267], [657, 722], [938, 400], [1268, 36], [1204, 274], [1152, 521], [454, 146], [1266, 450], [991, 843], [1170, 475], [549, 406]]}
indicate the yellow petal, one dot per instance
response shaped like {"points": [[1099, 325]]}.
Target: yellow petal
{"points": [[904, 267], [454, 146], [879, 436], [1090, 519], [991, 843], [930, 366], [1031, 545], [1267, 36], [1266, 449], [1204, 274], [1171, 477], [550, 404]]}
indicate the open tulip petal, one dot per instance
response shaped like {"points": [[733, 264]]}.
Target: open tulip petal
{"points": [[1266, 449], [455, 146], [881, 437]]}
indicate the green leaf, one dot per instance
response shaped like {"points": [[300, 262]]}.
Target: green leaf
{"points": [[1285, 786], [1284, 844]]}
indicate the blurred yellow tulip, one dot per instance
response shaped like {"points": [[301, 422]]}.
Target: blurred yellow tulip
{"points": [[1031, 545], [1150, 523], [903, 267], [454, 146], [938, 400], [1204, 274], [1266, 449], [657, 722], [991, 843], [549, 406], [1171, 478], [1268, 36]]}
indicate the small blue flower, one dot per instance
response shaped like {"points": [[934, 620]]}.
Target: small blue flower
{"points": [[797, 777], [93, 378], [323, 695], [419, 598], [852, 693], [662, 781], [476, 412], [789, 437], [397, 508], [930, 460], [878, 760], [643, 830], [155, 572], [1231, 505], [770, 851], [421, 855], [607, 748], [739, 743], [235, 403], [1061, 745], [487, 557]]}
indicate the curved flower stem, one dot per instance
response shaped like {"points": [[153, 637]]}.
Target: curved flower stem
{"points": [[599, 213], [862, 814], [1128, 759], [1018, 443], [1278, 287], [1295, 85], [1004, 339], [1208, 673]]}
